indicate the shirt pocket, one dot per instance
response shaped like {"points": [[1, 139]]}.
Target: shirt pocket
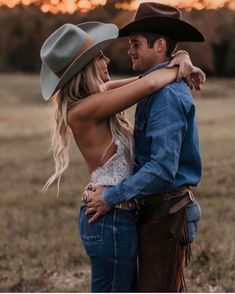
{"points": [[193, 215], [142, 144]]}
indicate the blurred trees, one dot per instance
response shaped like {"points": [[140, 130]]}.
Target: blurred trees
{"points": [[224, 51], [217, 54], [24, 29]]}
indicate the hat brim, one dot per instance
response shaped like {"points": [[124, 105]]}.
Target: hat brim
{"points": [[173, 28], [103, 35]]}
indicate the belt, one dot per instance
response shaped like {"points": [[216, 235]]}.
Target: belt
{"points": [[148, 200], [128, 205], [184, 194], [187, 199], [124, 205]]}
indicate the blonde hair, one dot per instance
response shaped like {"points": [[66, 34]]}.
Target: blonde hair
{"points": [[85, 83]]}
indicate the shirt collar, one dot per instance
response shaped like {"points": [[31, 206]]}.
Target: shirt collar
{"points": [[161, 65]]}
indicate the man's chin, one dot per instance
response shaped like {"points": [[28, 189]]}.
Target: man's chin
{"points": [[136, 68]]}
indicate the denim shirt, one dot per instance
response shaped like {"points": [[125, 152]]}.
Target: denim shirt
{"points": [[166, 145]]}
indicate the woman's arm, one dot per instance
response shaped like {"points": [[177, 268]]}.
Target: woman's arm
{"points": [[119, 83], [102, 105]]}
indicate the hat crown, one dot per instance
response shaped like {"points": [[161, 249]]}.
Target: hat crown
{"points": [[152, 9], [63, 46]]}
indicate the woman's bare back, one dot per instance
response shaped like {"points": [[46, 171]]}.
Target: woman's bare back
{"points": [[94, 140]]}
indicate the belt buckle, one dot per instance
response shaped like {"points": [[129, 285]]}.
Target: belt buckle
{"points": [[191, 196]]}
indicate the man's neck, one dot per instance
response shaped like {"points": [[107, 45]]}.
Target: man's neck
{"points": [[156, 66], [158, 61]]}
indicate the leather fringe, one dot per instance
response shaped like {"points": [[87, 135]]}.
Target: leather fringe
{"points": [[181, 255]]}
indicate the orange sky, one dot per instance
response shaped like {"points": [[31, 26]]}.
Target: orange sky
{"points": [[71, 6]]}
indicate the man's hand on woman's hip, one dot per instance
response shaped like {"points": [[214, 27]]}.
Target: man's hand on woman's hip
{"points": [[96, 204]]}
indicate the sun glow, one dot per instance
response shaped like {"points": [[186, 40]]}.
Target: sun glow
{"points": [[83, 6], [200, 4], [56, 6]]}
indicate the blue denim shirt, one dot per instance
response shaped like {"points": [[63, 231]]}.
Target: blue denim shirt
{"points": [[166, 145]]}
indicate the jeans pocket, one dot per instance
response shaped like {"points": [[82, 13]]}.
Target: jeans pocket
{"points": [[90, 233], [193, 215]]}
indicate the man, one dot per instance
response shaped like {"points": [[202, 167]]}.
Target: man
{"points": [[167, 155]]}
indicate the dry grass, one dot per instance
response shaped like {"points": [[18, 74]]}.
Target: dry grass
{"points": [[40, 250]]}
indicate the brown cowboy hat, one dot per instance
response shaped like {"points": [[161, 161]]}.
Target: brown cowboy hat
{"points": [[162, 19]]}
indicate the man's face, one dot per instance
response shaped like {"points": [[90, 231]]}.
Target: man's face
{"points": [[143, 58]]}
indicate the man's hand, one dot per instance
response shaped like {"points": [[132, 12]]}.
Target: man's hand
{"points": [[96, 204]]}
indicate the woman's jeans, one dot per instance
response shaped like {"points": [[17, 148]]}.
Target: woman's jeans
{"points": [[111, 243]]}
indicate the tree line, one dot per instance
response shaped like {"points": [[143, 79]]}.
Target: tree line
{"points": [[24, 29]]}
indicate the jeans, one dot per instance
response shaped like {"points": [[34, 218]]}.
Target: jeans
{"points": [[193, 215], [111, 244]]}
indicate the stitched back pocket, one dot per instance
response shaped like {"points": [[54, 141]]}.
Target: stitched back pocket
{"points": [[90, 233]]}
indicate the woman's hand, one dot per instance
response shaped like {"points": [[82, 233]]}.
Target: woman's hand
{"points": [[183, 61], [195, 79], [192, 75]]}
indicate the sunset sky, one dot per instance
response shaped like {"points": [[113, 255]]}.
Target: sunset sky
{"points": [[71, 6]]}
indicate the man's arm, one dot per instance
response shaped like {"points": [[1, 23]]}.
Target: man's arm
{"points": [[166, 128]]}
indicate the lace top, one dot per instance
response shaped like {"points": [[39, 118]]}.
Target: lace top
{"points": [[117, 168]]}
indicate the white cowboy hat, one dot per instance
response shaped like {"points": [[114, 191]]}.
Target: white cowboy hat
{"points": [[69, 49]]}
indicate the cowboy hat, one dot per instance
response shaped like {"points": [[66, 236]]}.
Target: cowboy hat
{"points": [[162, 19], [69, 49]]}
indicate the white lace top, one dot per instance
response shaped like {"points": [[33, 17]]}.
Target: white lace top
{"points": [[117, 168]]}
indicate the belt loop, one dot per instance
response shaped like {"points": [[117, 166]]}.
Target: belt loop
{"points": [[168, 196], [137, 203], [191, 196]]}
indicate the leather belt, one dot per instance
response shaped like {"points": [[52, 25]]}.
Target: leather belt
{"points": [[148, 200], [184, 194], [125, 205], [187, 199]]}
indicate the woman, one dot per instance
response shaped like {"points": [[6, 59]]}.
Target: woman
{"points": [[89, 105]]}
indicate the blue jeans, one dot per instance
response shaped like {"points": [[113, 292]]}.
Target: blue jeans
{"points": [[111, 244], [193, 215]]}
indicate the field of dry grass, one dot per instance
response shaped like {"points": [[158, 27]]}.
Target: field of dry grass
{"points": [[40, 250]]}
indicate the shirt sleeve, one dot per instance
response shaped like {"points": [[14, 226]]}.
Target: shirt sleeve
{"points": [[166, 127]]}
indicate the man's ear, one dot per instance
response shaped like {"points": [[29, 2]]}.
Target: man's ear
{"points": [[160, 45]]}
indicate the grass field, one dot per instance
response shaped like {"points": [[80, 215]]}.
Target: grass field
{"points": [[40, 250]]}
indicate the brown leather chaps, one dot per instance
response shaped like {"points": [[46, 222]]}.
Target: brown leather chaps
{"points": [[164, 249]]}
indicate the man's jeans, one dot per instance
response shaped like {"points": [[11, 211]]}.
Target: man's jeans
{"points": [[111, 243], [193, 215]]}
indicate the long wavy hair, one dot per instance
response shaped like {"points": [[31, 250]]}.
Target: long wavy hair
{"points": [[85, 83]]}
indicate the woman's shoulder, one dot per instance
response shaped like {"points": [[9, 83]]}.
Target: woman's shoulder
{"points": [[73, 114], [82, 124]]}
